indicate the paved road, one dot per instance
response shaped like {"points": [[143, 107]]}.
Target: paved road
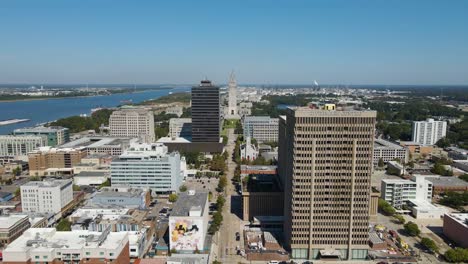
{"points": [[231, 222]]}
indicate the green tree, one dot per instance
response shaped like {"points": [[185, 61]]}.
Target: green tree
{"points": [[412, 229], [173, 197], [17, 171], [220, 201], [381, 163], [456, 255], [222, 183], [443, 143], [17, 192], [183, 188], [464, 177], [64, 225], [76, 188], [107, 183], [385, 207], [400, 218], [217, 262], [429, 244]]}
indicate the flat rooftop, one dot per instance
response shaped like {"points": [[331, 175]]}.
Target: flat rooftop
{"points": [[92, 174], [48, 183], [461, 218], [126, 192], [46, 239], [262, 183], [384, 144], [95, 142], [447, 181], [7, 221], [185, 202]]}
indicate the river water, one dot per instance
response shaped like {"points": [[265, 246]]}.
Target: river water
{"points": [[41, 111]]}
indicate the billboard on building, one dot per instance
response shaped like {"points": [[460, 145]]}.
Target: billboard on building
{"points": [[186, 234]]}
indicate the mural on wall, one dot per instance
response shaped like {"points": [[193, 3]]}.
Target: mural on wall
{"points": [[186, 234]]}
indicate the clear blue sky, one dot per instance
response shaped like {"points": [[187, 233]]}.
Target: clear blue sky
{"points": [[347, 42]]}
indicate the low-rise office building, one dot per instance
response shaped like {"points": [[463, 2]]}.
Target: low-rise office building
{"points": [[52, 158], [416, 148], [399, 191], [102, 145], [261, 128], [12, 226], [456, 228], [388, 151], [46, 245], [148, 166], [180, 127], [91, 178], [20, 145], [55, 135], [50, 196], [126, 197], [188, 222], [457, 153], [444, 184]]}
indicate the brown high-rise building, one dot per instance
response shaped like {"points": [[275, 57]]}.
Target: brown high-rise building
{"points": [[46, 158], [325, 164]]}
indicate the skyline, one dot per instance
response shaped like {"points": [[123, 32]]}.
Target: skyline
{"points": [[111, 42]]}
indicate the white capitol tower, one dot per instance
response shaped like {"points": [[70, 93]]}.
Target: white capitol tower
{"points": [[232, 96]]}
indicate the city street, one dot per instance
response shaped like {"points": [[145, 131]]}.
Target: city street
{"points": [[227, 243]]}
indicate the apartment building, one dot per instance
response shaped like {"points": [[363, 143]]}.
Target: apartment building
{"points": [[428, 132], [47, 245], [261, 128], [55, 135], [148, 166], [325, 163], [20, 145], [388, 151], [49, 196], [180, 127], [46, 158], [133, 122]]}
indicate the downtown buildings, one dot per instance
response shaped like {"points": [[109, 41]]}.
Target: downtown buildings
{"points": [[47, 161], [325, 165], [132, 122], [148, 166]]}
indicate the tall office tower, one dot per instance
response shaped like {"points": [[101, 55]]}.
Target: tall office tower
{"points": [[232, 103], [133, 122], [429, 132], [206, 116], [325, 164]]}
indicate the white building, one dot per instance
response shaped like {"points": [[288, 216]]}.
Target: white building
{"points": [[49, 196], [87, 178], [132, 122], [248, 151], [20, 145], [415, 193], [388, 151], [148, 166], [180, 127], [46, 245], [188, 222], [231, 111], [429, 132], [175, 110], [262, 128]]}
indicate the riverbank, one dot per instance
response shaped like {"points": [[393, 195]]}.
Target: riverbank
{"points": [[79, 96]]}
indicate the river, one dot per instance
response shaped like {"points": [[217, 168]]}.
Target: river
{"points": [[41, 111]]}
